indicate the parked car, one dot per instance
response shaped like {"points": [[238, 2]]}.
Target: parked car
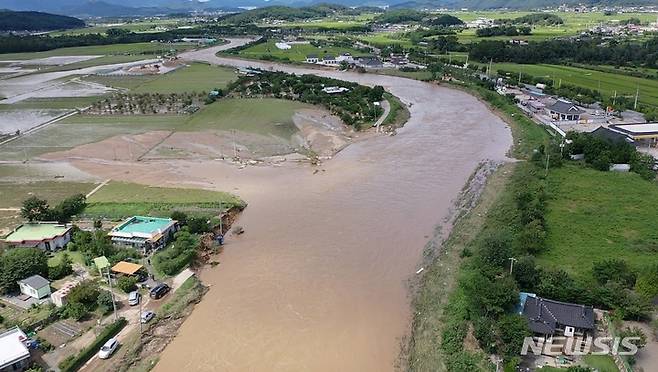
{"points": [[159, 291], [147, 316], [133, 298], [109, 348]]}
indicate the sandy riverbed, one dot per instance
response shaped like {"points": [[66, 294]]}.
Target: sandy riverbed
{"points": [[319, 280]]}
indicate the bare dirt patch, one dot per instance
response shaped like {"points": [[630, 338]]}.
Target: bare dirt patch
{"points": [[120, 148], [323, 133]]}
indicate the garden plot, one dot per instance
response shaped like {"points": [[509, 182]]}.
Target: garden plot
{"points": [[22, 120]]}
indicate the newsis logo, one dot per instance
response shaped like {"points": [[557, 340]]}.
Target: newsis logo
{"points": [[560, 345]]}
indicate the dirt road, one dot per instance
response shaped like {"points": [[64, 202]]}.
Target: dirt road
{"points": [[318, 282]]}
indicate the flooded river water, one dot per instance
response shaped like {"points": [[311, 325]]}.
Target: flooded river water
{"points": [[318, 282]]}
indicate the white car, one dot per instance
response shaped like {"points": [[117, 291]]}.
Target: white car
{"points": [[109, 348], [133, 298], [147, 316]]}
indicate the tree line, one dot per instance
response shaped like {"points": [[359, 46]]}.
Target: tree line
{"points": [[588, 51]]}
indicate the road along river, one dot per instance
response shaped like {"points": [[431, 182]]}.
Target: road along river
{"points": [[318, 282]]}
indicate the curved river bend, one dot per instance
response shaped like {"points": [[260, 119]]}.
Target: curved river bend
{"points": [[318, 281]]}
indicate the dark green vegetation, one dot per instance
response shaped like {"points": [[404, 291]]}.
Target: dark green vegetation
{"points": [[546, 19], [37, 43], [74, 362], [503, 31], [601, 154], [292, 13], [178, 255], [355, 107], [92, 244], [36, 21], [18, 264], [35, 209], [588, 51]]}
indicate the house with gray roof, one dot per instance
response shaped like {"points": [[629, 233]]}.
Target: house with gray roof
{"points": [[549, 318], [35, 286], [564, 111]]}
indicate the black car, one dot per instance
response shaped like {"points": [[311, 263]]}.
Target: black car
{"points": [[159, 291]]}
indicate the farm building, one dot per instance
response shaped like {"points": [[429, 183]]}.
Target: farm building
{"points": [[35, 286], [44, 235], [145, 233], [14, 355], [547, 318], [564, 111]]}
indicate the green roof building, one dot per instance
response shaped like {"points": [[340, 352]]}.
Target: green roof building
{"points": [[44, 235], [146, 233]]}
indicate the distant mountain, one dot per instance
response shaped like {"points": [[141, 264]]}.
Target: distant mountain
{"points": [[110, 8], [36, 21]]}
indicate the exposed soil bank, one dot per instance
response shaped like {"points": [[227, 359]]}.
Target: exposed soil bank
{"points": [[318, 282]]}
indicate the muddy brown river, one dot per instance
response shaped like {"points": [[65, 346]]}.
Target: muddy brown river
{"points": [[319, 280]]}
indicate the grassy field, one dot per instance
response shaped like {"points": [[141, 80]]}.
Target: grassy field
{"points": [[75, 257], [195, 77], [297, 52], [114, 49], [595, 215], [605, 82], [119, 200], [51, 103], [12, 195]]}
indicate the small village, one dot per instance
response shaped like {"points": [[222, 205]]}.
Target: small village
{"points": [[83, 304]]}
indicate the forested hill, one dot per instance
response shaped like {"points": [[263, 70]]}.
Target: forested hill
{"points": [[511, 4], [36, 21]]}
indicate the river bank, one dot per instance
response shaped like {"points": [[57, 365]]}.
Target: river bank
{"points": [[320, 278]]}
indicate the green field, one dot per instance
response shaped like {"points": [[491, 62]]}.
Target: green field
{"points": [[118, 200], [12, 195], [297, 52], [258, 116], [196, 77], [595, 215], [607, 83]]}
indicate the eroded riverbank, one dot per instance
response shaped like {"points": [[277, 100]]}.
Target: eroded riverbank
{"points": [[319, 280]]}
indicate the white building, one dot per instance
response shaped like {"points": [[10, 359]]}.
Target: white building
{"points": [[14, 354], [35, 286], [59, 296], [44, 235]]}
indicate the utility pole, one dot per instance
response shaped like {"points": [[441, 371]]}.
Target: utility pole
{"points": [[511, 265], [114, 305], [548, 158], [519, 83], [637, 93]]}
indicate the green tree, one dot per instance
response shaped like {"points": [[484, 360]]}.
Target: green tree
{"points": [[35, 209], [86, 293], [179, 216], [62, 269], [20, 263], [615, 270], [127, 284], [104, 301]]}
